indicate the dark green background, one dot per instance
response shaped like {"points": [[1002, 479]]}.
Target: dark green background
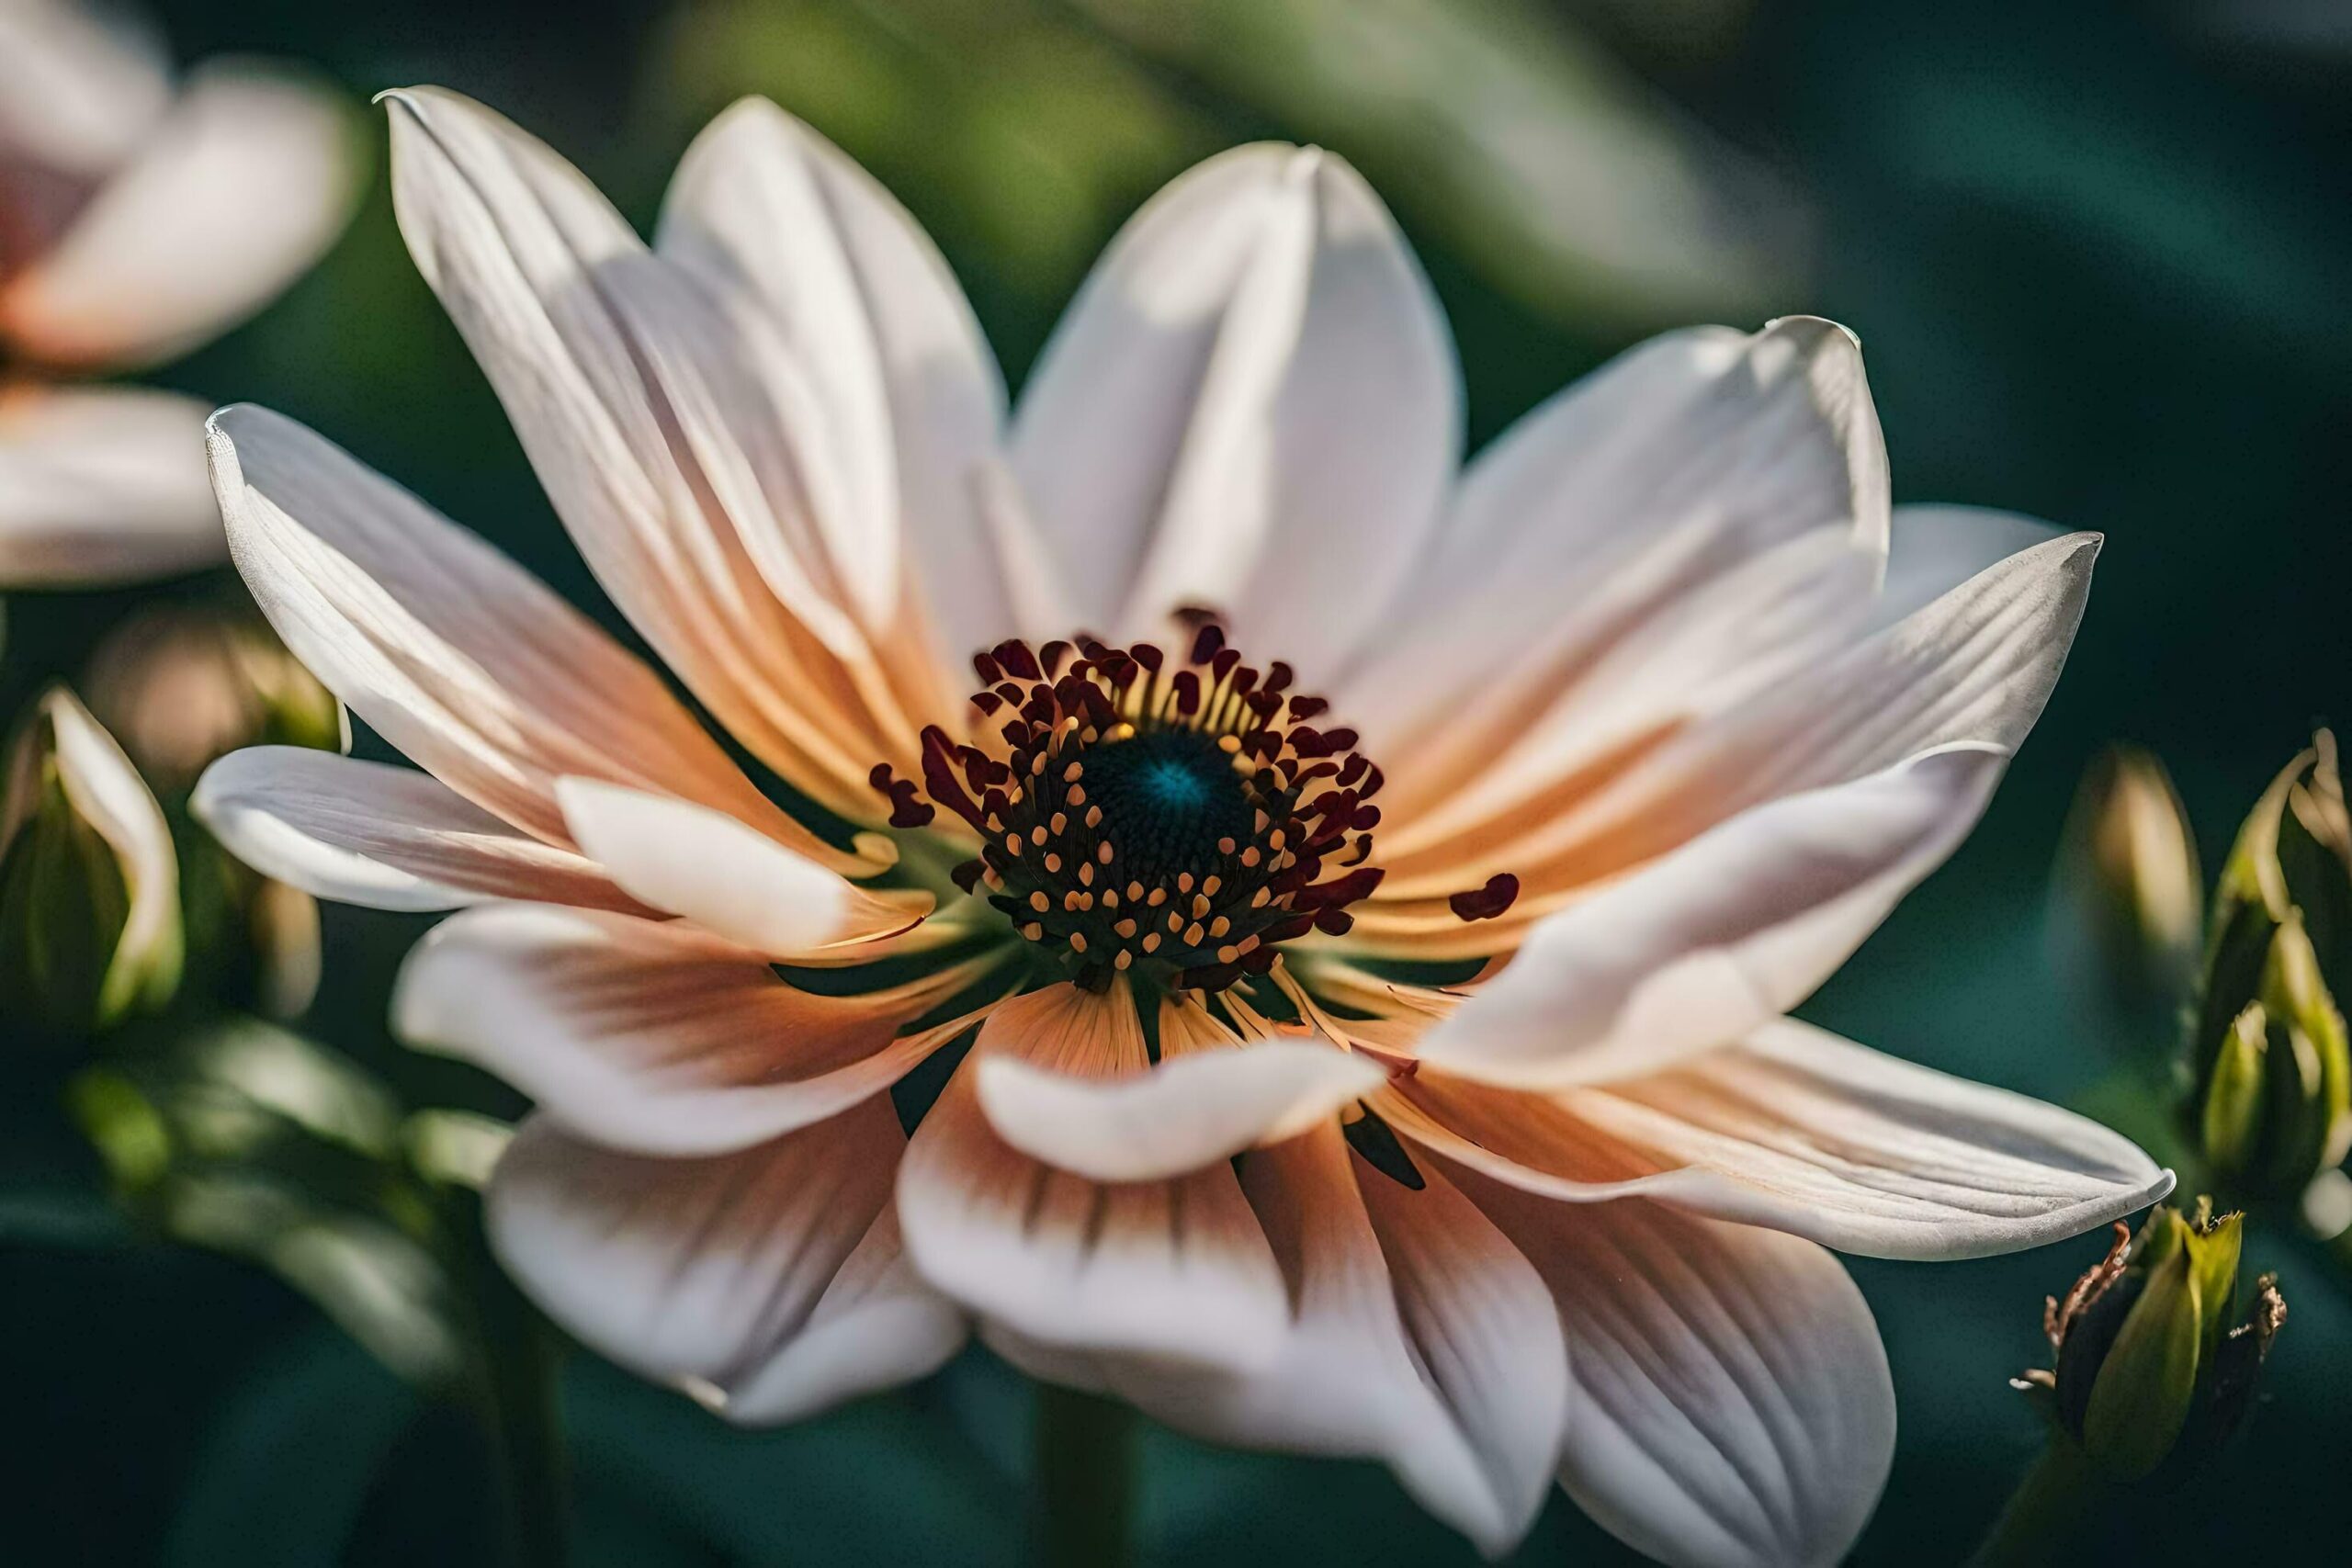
{"points": [[2097, 257]]}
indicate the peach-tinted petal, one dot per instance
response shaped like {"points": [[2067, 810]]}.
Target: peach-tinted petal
{"points": [[1175, 1268], [1703, 944], [1252, 404], [242, 186], [654, 1036], [1194, 1109], [1732, 1404], [835, 287], [387, 837], [703, 495], [1442, 1359], [1796, 1129], [80, 86], [722, 873], [1597, 526], [876, 1326], [448, 649], [102, 485], [689, 1267]]}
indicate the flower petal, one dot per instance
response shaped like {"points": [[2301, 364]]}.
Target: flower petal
{"points": [[654, 1037], [876, 1326], [384, 836], [80, 86], [1704, 943], [1189, 1112], [1252, 405], [689, 1267], [800, 242], [248, 179], [1934, 549], [448, 649], [1732, 1403], [102, 485], [1799, 1130], [1442, 1358], [1972, 668], [708, 499], [720, 871], [1603, 517], [1175, 1268]]}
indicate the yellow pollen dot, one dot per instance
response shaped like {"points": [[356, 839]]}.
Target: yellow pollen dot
{"points": [[1184, 882], [1077, 792], [1038, 835], [1228, 953], [1273, 840], [1123, 732], [1229, 744], [1220, 926], [1209, 885], [1200, 904], [1159, 897], [1122, 959], [1258, 899], [1151, 941], [1032, 931], [1070, 773], [1013, 843], [1094, 819], [1070, 901], [1039, 902], [1053, 862], [1250, 857], [1102, 852], [1078, 942], [1247, 944], [1125, 928], [1086, 873], [1134, 889], [1110, 897], [1058, 822], [1175, 921], [1226, 846], [1192, 934]]}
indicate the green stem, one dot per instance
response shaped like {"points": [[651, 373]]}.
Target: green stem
{"points": [[1084, 1480], [2047, 1513], [517, 1393]]}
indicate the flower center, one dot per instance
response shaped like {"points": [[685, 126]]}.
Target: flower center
{"points": [[1175, 818]]}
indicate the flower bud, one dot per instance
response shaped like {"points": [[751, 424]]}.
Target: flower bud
{"points": [[90, 928], [2130, 898], [182, 685], [2155, 1365], [2270, 1104]]}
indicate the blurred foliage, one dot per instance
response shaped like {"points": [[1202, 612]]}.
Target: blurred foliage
{"points": [[2092, 251]]}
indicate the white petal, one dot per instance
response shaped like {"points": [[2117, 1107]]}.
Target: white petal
{"points": [[799, 240], [1796, 1129], [448, 649], [1356, 1376], [653, 1036], [1732, 1404], [718, 871], [102, 485], [1187, 1112], [876, 1326], [1252, 405], [1704, 943], [689, 1267], [106, 791], [1934, 549], [1613, 506], [1175, 1268], [242, 186], [385, 837], [705, 498], [80, 86]]}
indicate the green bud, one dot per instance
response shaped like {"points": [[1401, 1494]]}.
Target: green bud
{"points": [[90, 930], [2271, 1098], [2129, 899], [2155, 1365]]}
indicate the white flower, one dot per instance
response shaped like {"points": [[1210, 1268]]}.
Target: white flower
{"points": [[138, 220], [1224, 1145]]}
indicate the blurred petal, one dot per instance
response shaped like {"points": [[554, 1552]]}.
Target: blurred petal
{"points": [[106, 791], [689, 1267], [1732, 1404], [80, 86], [1173, 1268], [801, 242], [1704, 943], [447, 649], [1252, 405], [245, 184], [1188, 1111], [876, 1326], [654, 1037], [102, 485], [1796, 1129], [385, 837]]}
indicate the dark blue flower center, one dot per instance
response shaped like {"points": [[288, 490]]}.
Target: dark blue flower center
{"points": [[1168, 797]]}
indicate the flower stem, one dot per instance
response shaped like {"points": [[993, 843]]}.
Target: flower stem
{"points": [[1085, 1480], [517, 1394], [2062, 1494]]}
